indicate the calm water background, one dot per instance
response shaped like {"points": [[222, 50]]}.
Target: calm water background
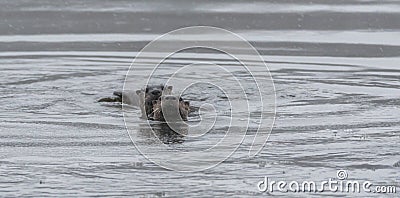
{"points": [[335, 66]]}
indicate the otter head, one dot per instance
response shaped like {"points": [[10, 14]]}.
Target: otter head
{"points": [[171, 107], [169, 101], [153, 92], [148, 95], [167, 106]]}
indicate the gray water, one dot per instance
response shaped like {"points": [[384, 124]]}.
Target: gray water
{"points": [[334, 65]]}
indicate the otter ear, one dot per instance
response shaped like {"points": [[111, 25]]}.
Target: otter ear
{"points": [[168, 90], [187, 103], [138, 92]]}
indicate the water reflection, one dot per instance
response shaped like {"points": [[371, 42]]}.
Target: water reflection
{"points": [[163, 132]]}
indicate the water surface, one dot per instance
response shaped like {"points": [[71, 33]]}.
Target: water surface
{"points": [[335, 69]]}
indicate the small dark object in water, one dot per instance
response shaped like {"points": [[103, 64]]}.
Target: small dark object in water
{"points": [[397, 164]]}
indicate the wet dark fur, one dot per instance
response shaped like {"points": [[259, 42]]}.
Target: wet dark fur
{"points": [[151, 93]]}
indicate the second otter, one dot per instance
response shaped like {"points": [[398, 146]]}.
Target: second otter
{"points": [[171, 107]]}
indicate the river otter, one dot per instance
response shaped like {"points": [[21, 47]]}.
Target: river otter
{"points": [[172, 106], [146, 99], [148, 95]]}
